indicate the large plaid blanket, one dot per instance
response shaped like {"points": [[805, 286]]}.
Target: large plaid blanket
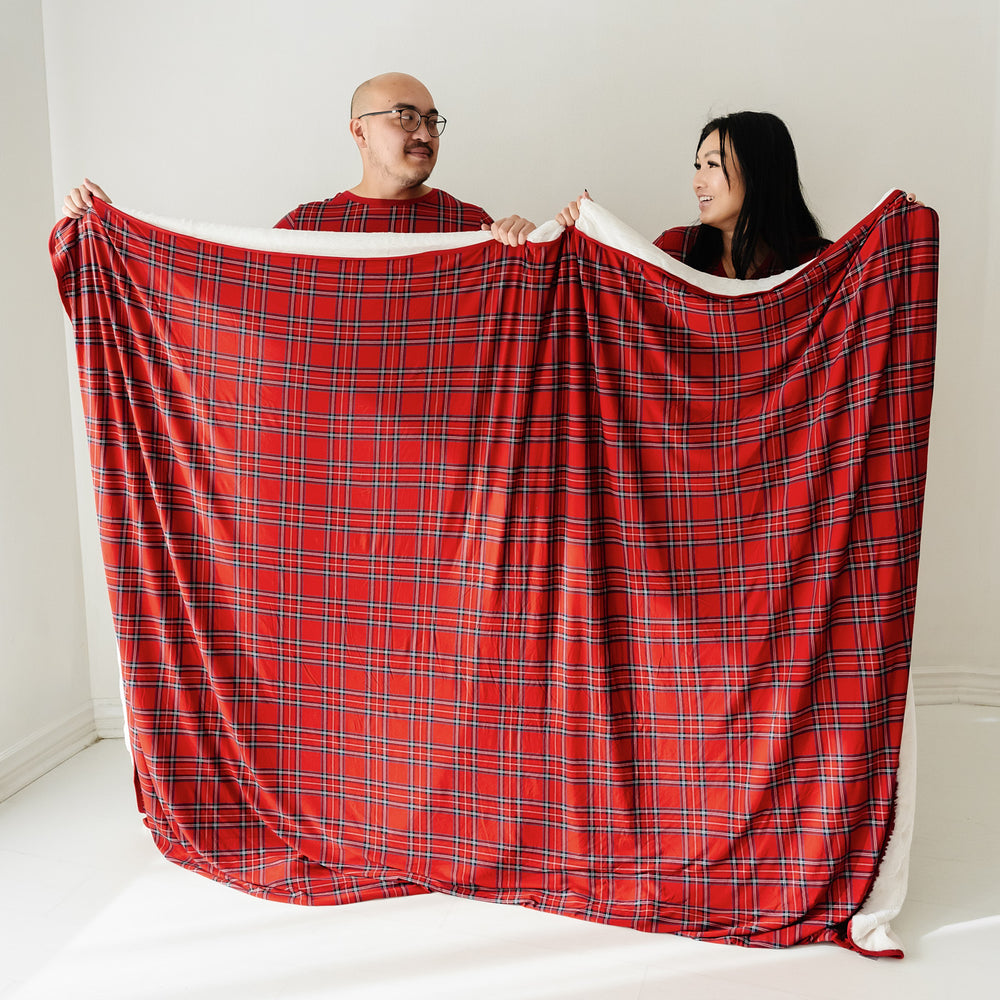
{"points": [[561, 575]]}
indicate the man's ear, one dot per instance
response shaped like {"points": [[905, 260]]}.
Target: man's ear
{"points": [[357, 130]]}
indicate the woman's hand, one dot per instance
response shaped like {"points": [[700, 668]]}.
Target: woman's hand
{"points": [[567, 217]]}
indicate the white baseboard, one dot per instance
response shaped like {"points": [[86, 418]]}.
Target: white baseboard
{"points": [[45, 749], [950, 687], [109, 718]]}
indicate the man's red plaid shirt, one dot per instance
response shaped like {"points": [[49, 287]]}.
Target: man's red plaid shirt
{"points": [[435, 212]]}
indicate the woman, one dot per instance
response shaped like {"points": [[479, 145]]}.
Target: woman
{"points": [[753, 220]]}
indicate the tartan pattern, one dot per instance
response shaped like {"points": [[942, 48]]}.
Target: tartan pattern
{"points": [[435, 212], [536, 575], [678, 242]]}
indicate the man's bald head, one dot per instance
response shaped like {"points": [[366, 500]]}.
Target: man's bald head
{"points": [[396, 162], [382, 92]]}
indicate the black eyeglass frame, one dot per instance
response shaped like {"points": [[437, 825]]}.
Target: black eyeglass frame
{"points": [[438, 120]]}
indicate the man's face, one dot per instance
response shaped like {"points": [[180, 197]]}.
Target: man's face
{"points": [[405, 159]]}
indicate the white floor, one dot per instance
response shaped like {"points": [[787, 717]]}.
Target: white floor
{"points": [[88, 908]]}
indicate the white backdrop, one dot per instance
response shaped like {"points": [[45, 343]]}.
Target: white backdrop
{"points": [[45, 703], [235, 111]]}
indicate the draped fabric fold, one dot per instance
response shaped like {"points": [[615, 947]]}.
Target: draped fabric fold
{"points": [[553, 575]]}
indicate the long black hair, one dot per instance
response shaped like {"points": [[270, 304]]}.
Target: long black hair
{"points": [[774, 213]]}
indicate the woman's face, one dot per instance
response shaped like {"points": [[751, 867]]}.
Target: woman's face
{"points": [[719, 200]]}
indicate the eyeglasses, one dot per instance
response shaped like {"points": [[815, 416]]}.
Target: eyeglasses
{"points": [[409, 119]]}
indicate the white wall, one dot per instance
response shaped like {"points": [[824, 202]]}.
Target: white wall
{"points": [[987, 487], [45, 708], [236, 111]]}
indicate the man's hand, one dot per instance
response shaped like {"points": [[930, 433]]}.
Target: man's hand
{"points": [[79, 201], [512, 230]]}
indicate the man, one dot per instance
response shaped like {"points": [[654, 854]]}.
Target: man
{"points": [[397, 130]]}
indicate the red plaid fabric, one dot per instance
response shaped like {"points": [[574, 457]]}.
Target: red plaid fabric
{"points": [[436, 212], [537, 575]]}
